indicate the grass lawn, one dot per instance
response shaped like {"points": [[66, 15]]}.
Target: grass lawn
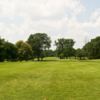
{"points": [[50, 80]]}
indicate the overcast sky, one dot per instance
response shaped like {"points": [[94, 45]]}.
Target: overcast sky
{"points": [[77, 19]]}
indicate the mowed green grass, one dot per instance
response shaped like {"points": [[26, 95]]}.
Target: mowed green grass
{"points": [[50, 80]]}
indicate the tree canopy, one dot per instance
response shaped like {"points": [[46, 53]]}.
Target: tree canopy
{"points": [[10, 51], [64, 48], [38, 46], [39, 43], [24, 51], [92, 48], [2, 49]]}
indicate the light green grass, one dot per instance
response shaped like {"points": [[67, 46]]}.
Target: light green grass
{"points": [[50, 80]]}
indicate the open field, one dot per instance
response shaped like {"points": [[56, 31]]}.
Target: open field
{"points": [[50, 80]]}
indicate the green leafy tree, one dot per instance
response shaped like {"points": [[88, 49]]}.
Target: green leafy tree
{"points": [[92, 48], [24, 51], [10, 52], [40, 42], [64, 48], [80, 54], [60, 48], [2, 49]]}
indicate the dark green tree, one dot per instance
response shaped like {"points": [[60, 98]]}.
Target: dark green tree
{"points": [[64, 48], [10, 52], [40, 42], [2, 49], [80, 54], [92, 48], [24, 51]]}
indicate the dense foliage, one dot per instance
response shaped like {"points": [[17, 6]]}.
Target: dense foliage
{"points": [[2, 49], [37, 47], [92, 48], [64, 48], [24, 51], [40, 42], [10, 52], [80, 53]]}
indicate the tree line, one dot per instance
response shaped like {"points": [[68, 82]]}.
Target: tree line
{"points": [[38, 46]]}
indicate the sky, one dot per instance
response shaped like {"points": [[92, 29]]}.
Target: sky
{"points": [[75, 19]]}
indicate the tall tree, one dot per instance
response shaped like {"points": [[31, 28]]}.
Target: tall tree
{"points": [[60, 47], [64, 48], [24, 51], [39, 42], [10, 51], [80, 54], [92, 48], [2, 49]]}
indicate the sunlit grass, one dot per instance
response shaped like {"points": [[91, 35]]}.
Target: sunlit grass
{"points": [[50, 80]]}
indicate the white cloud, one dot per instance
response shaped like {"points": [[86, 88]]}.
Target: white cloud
{"points": [[58, 18]]}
